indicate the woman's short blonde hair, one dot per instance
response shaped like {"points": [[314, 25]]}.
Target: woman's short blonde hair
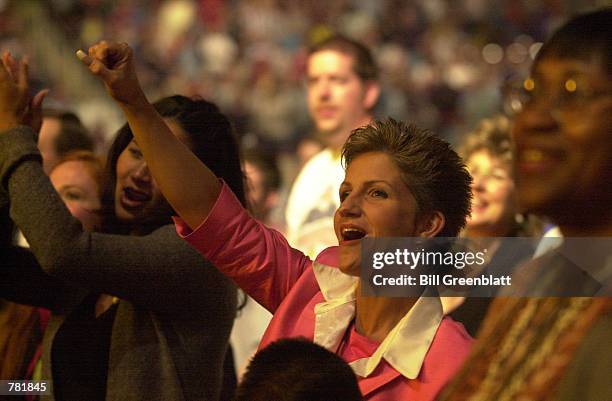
{"points": [[493, 135]]}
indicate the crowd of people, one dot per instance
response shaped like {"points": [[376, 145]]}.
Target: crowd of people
{"points": [[130, 275], [249, 56]]}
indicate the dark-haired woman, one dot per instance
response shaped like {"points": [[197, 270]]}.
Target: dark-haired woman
{"points": [[137, 313]]}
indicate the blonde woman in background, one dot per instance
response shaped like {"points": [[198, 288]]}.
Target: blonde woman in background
{"points": [[77, 178], [488, 153]]}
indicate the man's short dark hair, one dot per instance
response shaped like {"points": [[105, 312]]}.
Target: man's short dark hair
{"points": [[430, 168], [584, 37], [297, 370], [72, 134], [363, 63]]}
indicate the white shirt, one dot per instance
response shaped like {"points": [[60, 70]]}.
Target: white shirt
{"points": [[312, 203]]}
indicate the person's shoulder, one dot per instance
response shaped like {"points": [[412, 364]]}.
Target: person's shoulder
{"points": [[449, 327], [310, 176], [588, 375], [329, 256], [453, 336], [449, 350]]}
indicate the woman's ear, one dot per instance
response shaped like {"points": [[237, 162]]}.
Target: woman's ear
{"points": [[431, 224]]}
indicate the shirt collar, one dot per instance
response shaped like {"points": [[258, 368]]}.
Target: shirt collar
{"points": [[404, 348]]}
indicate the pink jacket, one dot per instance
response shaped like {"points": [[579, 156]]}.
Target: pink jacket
{"points": [[282, 279]]}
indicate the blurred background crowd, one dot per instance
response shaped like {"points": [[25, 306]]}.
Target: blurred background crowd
{"points": [[442, 62]]}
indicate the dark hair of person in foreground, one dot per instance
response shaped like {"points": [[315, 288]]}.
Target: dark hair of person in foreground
{"points": [[297, 370]]}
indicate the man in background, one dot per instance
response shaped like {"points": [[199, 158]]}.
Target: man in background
{"points": [[60, 133], [342, 90]]}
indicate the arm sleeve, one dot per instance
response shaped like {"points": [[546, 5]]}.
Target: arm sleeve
{"points": [[157, 271], [588, 375], [21, 278], [256, 257], [23, 281]]}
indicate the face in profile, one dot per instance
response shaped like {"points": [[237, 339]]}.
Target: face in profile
{"points": [[74, 181], [338, 99], [375, 202], [564, 140], [493, 206]]}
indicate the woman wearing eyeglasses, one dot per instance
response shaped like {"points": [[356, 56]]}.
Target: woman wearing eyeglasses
{"points": [[557, 348]]}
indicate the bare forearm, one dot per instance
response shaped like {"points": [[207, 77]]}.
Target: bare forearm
{"points": [[189, 186]]}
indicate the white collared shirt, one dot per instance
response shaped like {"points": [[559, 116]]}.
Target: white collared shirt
{"points": [[405, 346]]}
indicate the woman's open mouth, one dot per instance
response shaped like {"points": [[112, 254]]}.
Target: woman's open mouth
{"points": [[479, 206], [352, 234], [134, 198]]}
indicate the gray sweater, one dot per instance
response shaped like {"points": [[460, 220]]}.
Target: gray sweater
{"points": [[173, 322]]}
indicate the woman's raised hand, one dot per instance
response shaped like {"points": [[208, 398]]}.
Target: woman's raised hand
{"points": [[16, 104], [113, 63], [175, 168]]}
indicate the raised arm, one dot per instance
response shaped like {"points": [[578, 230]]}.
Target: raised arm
{"points": [[189, 186], [147, 270], [257, 258]]}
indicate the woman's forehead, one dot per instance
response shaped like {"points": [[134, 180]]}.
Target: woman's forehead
{"points": [[372, 163], [553, 66], [372, 167], [485, 155]]}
